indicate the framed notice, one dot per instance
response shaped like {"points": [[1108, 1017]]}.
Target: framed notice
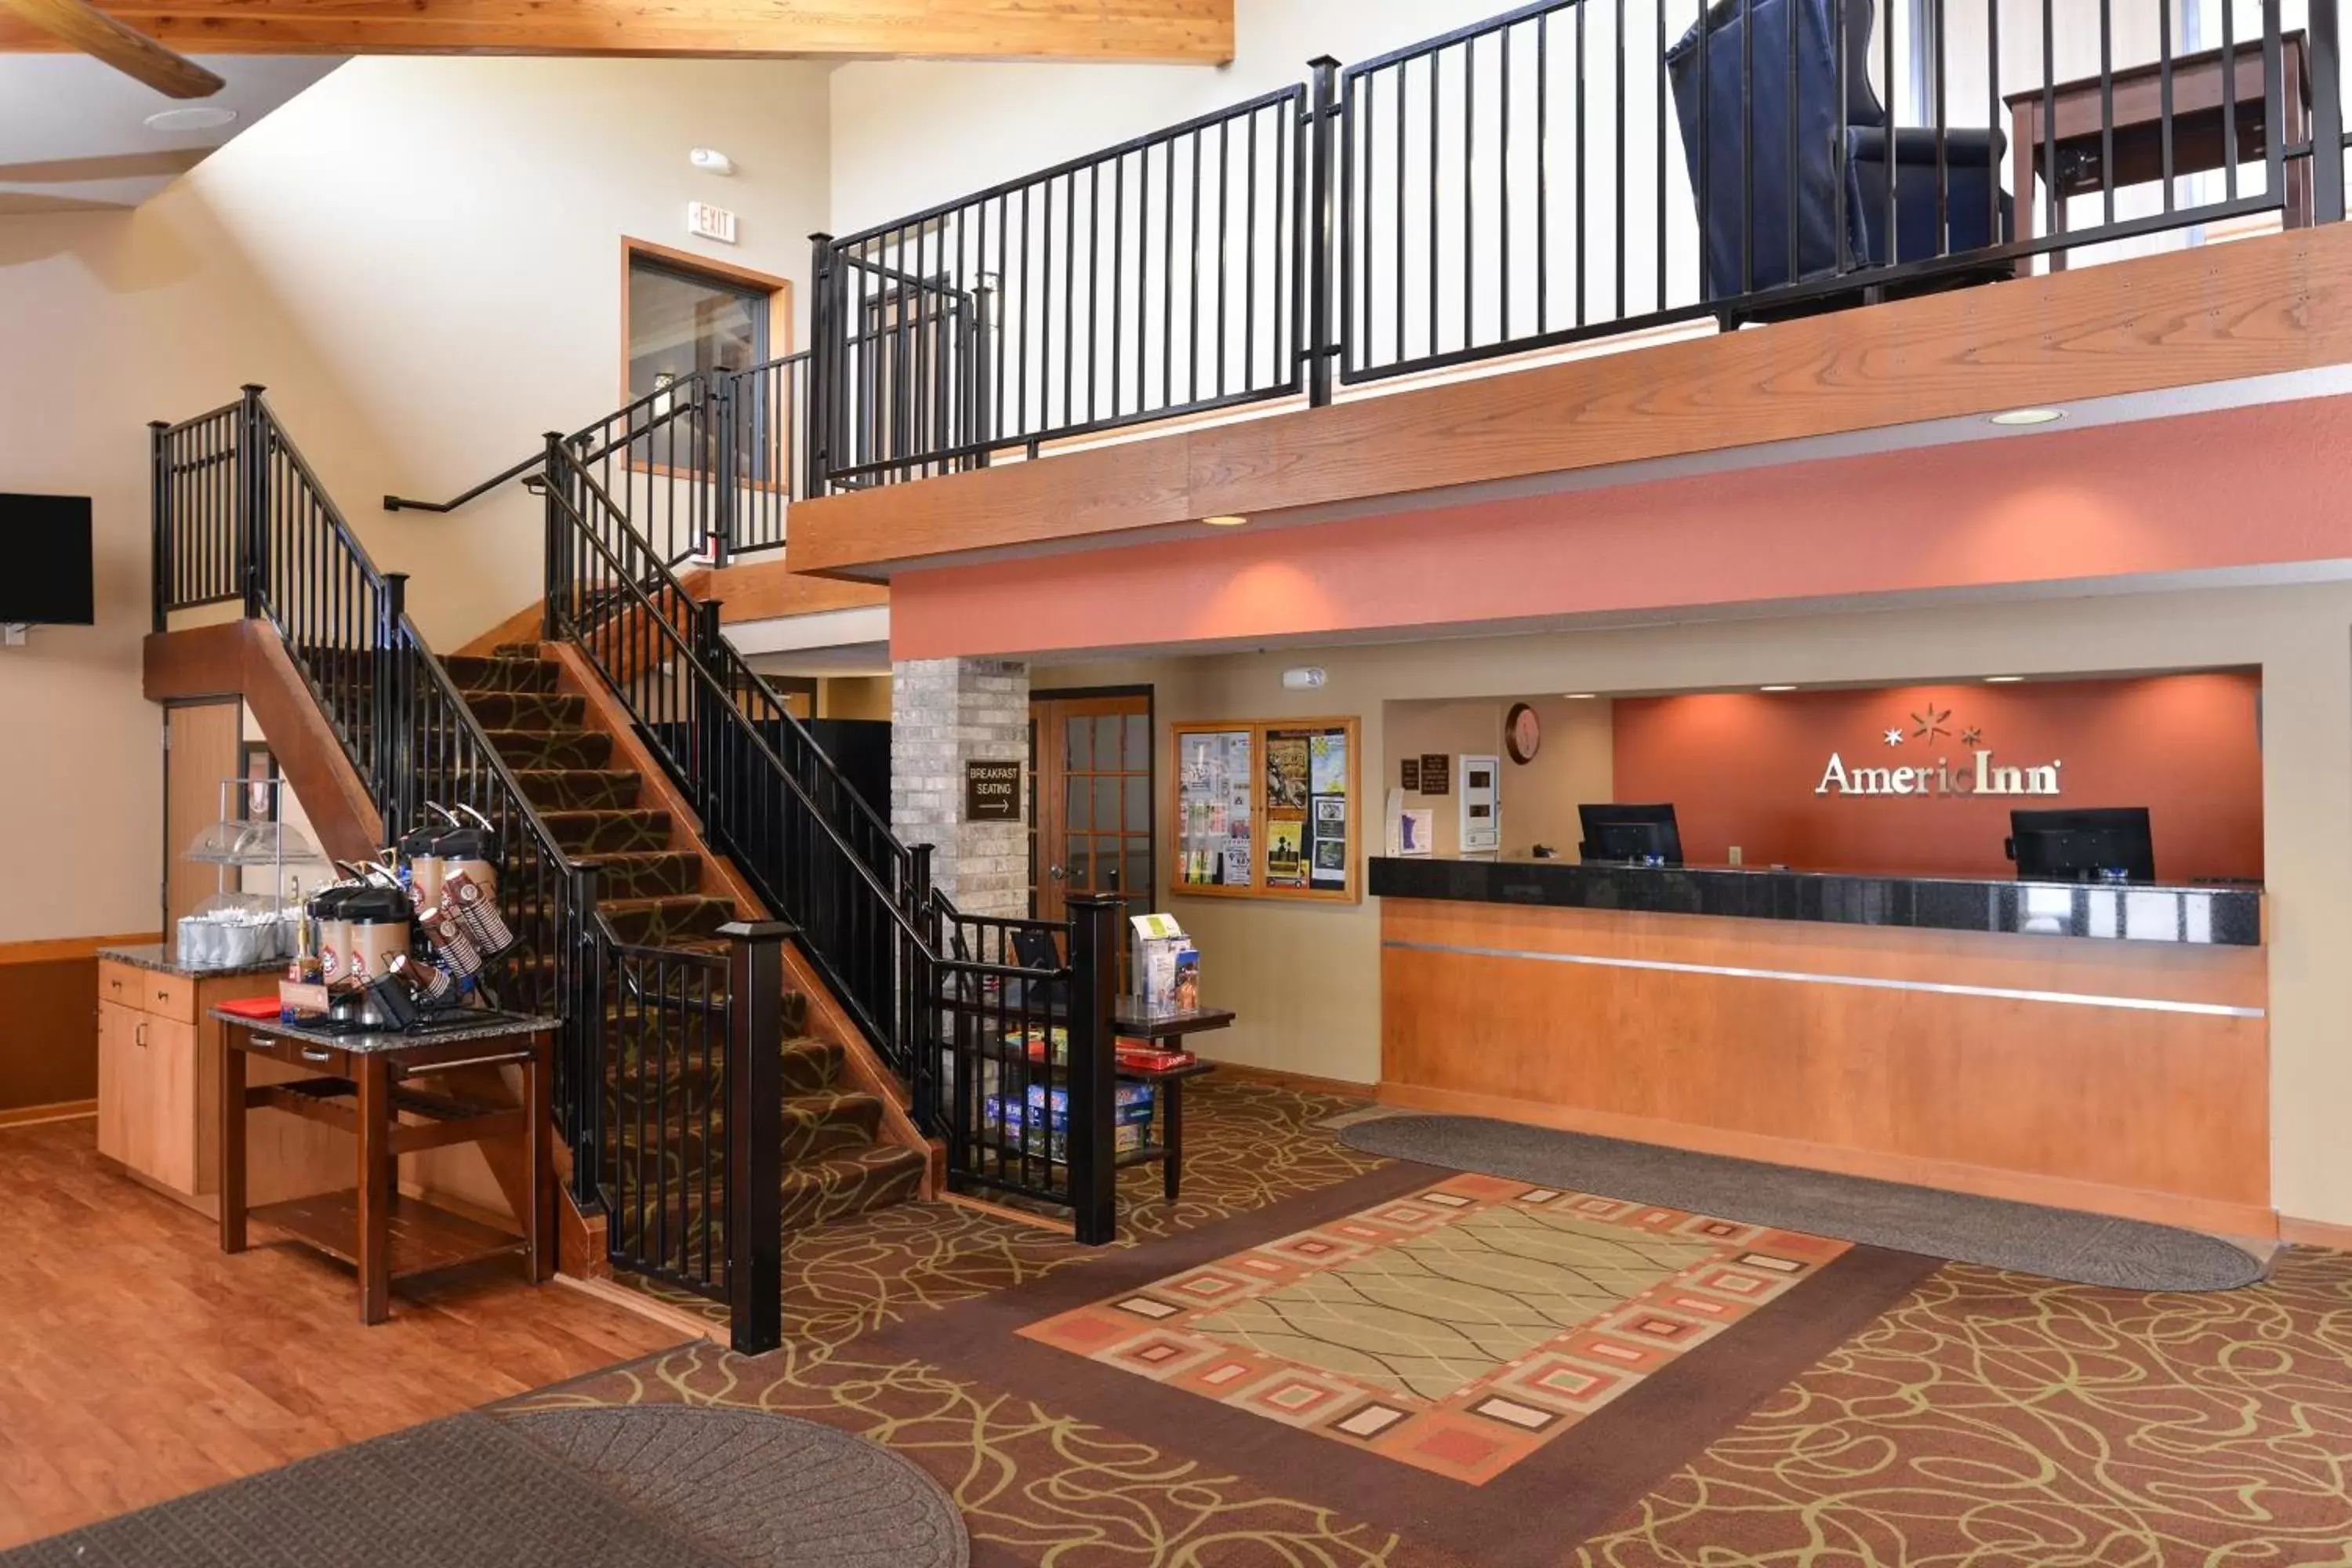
{"points": [[1268, 808]]}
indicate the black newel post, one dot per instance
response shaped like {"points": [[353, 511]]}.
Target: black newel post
{"points": [[1094, 1078], [817, 408], [921, 1010], [393, 781], [755, 1135], [2327, 113], [159, 517], [725, 448], [1322, 237], [252, 521], [559, 536], [581, 1067]]}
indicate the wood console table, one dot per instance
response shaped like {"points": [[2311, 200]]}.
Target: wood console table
{"points": [[1168, 1086], [361, 1084], [2078, 137]]}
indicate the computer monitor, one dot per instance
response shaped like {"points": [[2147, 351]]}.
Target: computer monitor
{"points": [[2085, 844], [1633, 835]]}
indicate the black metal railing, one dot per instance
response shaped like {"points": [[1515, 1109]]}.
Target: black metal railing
{"points": [[1567, 171], [410, 738], [766, 795], [1027, 1057], [708, 466], [1167, 274]]}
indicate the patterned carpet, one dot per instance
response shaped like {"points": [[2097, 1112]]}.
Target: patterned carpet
{"points": [[1984, 1419]]}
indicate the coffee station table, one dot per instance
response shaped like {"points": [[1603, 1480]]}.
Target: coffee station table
{"points": [[367, 1085]]}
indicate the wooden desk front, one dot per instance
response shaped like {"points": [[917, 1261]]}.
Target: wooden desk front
{"points": [[2120, 1077]]}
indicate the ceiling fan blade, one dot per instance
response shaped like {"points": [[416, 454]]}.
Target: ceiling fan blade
{"points": [[127, 49]]}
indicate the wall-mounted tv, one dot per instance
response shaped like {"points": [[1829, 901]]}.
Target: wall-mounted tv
{"points": [[44, 575]]}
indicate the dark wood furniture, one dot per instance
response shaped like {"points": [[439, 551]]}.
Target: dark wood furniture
{"points": [[1168, 1086], [366, 1084], [2072, 114]]}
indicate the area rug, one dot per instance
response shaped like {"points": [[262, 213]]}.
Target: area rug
{"points": [[1442, 1355], [646, 1488], [2057, 1244]]}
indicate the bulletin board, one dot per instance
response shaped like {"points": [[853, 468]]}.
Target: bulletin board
{"points": [[1268, 808]]}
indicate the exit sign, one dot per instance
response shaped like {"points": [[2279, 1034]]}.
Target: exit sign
{"points": [[710, 223]]}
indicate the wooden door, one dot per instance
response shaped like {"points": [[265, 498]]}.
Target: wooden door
{"points": [[202, 749], [1090, 810]]}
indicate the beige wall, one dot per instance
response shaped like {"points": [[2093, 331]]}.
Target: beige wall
{"points": [[421, 259], [1539, 798], [2300, 636]]}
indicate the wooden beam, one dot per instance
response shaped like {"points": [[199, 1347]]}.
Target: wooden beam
{"points": [[2259, 307], [764, 587], [1195, 32], [78, 24]]}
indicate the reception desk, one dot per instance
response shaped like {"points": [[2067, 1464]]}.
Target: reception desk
{"points": [[2095, 1048]]}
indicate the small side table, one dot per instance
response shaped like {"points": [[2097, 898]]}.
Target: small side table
{"points": [[1168, 1086], [359, 1084]]}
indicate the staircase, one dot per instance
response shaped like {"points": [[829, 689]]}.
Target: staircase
{"points": [[650, 890]]}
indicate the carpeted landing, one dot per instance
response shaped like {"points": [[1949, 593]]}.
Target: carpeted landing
{"points": [[652, 1487], [2057, 1244]]}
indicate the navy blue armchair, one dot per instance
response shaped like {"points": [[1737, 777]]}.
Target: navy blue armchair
{"points": [[1745, 215]]}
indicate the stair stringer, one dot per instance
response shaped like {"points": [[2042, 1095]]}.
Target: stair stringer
{"points": [[827, 1019]]}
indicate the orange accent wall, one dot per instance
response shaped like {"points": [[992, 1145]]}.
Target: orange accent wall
{"points": [[2241, 487], [1741, 768]]}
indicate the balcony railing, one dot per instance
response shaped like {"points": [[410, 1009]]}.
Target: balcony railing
{"points": [[1568, 171]]}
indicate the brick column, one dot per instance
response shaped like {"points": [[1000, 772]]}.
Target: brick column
{"points": [[945, 712]]}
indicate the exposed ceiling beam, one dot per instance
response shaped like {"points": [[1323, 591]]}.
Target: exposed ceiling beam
{"points": [[1180, 31], [73, 23]]}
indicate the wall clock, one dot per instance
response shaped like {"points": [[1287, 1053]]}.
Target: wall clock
{"points": [[1522, 732]]}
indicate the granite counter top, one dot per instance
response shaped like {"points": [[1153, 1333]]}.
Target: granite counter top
{"points": [[2216, 915], [492, 1027], [162, 958]]}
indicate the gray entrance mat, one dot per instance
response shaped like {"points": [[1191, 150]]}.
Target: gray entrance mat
{"points": [[644, 1487], [2061, 1243]]}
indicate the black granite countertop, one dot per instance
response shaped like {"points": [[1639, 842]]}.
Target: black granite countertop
{"points": [[163, 959], [493, 1027], [2228, 916]]}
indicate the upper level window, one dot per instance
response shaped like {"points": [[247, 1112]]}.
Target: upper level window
{"points": [[687, 315]]}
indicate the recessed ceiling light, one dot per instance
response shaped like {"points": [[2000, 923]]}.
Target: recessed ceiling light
{"points": [[1577, 695], [1224, 521], [204, 117], [2027, 417], [1776, 688], [2002, 679]]}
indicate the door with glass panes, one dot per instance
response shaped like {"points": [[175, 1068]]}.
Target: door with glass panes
{"points": [[1090, 812]]}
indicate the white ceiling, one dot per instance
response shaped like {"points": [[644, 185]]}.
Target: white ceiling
{"points": [[72, 131]]}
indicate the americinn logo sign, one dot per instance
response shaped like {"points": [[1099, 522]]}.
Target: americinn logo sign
{"points": [[1979, 773]]}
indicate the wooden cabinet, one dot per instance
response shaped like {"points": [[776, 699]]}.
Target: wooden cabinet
{"points": [[158, 1088]]}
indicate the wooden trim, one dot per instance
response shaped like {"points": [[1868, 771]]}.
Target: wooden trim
{"points": [[65, 1110], [1305, 1083], [766, 588], [58, 949], [1261, 841], [778, 289], [2259, 307], [2315, 1233], [1007, 1210], [2216, 1216], [1168, 32], [644, 1306]]}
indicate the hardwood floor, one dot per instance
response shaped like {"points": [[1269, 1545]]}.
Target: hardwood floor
{"points": [[139, 1363]]}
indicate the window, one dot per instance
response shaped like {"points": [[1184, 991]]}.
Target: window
{"points": [[687, 317]]}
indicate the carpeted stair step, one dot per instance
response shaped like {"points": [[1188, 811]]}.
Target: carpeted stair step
{"points": [[516, 651], [835, 1121], [816, 1191], [527, 709], [665, 922], [541, 748], [473, 674], [580, 789], [646, 874], [811, 1066], [608, 832]]}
